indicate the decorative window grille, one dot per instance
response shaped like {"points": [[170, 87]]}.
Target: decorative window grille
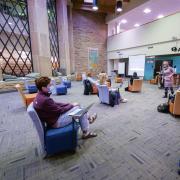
{"points": [[53, 34], [15, 45]]}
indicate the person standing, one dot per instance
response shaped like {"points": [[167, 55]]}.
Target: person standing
{"points": [[167, 74]]}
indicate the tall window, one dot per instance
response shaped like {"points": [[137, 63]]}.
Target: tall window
{"points": [[15, 46], [53, 33]]}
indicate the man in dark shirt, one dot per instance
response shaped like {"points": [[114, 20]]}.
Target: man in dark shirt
{"points": [[56, 114], [134, 76]]}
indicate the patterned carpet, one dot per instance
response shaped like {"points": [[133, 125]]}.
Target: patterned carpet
{"points": [[134, 141]]}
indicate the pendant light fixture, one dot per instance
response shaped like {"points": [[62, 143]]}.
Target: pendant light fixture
{"points": [[119, 6], [95, 5]]}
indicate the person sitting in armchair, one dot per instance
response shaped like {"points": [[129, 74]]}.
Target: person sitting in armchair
{"points": [[134, 76], [55, 114]]}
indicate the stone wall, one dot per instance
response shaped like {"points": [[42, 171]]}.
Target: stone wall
{"points": [[89, 31]]}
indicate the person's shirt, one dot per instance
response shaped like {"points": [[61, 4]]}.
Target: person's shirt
{"points": [[132, 78], [168, 73], [92, 81], [47, 109]]}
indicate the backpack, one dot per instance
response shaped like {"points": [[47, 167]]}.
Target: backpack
{"points": [[87, 87], [164, 108]]}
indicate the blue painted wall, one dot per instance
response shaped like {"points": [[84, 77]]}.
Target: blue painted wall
{"points": [[150, 64], [149, 69]]}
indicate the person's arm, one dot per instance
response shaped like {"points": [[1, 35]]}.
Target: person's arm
{"points": [[172, 72], [57, 108]]}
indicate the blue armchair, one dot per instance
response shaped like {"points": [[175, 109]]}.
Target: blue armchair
{"points": [[31, 88], [59, 89], [54, 140]]}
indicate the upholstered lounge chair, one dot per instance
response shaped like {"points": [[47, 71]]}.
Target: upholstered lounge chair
{"points": [[59, 89], [54, 140], [27, 98], [136, 86], [174, 108], [154, 81], [78, 77], [104, 95], [31, 88]]}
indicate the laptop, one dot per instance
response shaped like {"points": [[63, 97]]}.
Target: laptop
{"points": [[80, 111]]}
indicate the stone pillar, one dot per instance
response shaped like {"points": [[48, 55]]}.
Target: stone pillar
{"points": [[63, 33], [1, 78], [71, 41], [39, 32]]}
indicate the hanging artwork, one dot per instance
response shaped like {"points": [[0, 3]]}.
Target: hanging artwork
{"points": [[93, 58]]}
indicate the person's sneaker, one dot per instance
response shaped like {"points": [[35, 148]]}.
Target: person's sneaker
{"points": [[89, 135], [164, 96], [123, 100]]}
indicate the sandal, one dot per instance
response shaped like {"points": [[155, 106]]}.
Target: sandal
{"points": [[89, 135], [92, 118]]}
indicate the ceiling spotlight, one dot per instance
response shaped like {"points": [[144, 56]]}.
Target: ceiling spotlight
{"points": [[136, 25], [147, 11], [119, 6], [160, 16], [124, 21], [95, 6]]}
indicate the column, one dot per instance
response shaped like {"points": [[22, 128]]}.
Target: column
{"points": [[1, 77], [63, 33], [71, 41], [39, 32]]}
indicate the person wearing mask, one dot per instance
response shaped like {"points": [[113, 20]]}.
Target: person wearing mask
{"points": [[167, 74], [55, 114]]}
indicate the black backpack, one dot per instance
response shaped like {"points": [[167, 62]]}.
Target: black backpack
{"points": [[87, 87], [163, 108]]}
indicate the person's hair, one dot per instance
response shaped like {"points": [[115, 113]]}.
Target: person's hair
{"points": [[134, 74], [42, 82], [88, 74], [102, 71], [166, 62]]}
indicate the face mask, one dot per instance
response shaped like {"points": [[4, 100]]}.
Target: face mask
{"points": [[165, 66]]}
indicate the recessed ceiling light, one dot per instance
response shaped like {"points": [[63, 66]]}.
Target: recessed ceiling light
{"points": [[124, 21], [160, 16], [147, 10], [95, 8], [136, 25]]}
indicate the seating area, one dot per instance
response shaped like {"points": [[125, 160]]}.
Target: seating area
{"points": [[132, 135], [90, 90]]}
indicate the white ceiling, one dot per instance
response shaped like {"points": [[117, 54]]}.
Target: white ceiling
{"points": [[164, 7]]}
